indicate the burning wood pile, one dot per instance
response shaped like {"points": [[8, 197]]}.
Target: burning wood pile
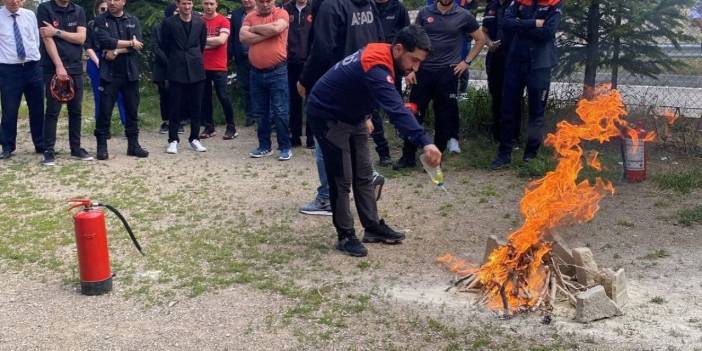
{"points": [[535, 267]]}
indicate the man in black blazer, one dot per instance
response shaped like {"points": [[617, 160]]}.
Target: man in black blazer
{"points": [[183, 41]]}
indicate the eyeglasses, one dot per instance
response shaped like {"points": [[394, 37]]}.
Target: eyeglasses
{"points": [[102, 9]]}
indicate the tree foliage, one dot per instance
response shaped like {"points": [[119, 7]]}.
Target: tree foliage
{"points": [[621, 34]]}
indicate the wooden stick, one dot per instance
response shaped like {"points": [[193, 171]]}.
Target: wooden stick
{"points": [[552, 293], [547, 282], [468, 277], [474, 284], [503, 295], [567, 294]]}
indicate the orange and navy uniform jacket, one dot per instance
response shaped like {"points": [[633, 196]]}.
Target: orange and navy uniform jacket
{"points": [[359, 84]]}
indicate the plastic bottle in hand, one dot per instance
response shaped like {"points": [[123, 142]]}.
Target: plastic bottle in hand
{"points": [[437, 177]]}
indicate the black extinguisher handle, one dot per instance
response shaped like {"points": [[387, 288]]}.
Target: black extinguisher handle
{"points": [[126, 226]]}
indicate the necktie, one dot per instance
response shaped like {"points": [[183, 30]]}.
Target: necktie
{"points": [[18, 39]]}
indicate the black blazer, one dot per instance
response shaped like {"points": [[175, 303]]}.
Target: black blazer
{"points": [[185, 63]]}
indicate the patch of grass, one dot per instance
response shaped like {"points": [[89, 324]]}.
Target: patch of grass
{"points": [[656, 254], [690, 216], [682, 183]]}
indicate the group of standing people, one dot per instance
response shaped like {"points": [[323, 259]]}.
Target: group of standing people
{"points": [[340, 61]]}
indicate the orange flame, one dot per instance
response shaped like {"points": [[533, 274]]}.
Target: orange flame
{"points": [[456, 265], [514, 275]]}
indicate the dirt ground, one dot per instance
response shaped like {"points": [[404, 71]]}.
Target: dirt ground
{"points": [[231, 265]]}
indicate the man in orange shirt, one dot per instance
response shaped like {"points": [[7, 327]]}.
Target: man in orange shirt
{"points": [[266, 32]]}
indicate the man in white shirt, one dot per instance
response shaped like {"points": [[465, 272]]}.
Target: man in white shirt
{"points": [[20, 74]]}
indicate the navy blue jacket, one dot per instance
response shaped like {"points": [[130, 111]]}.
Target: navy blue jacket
{"points": [[530, 43], [359, 84]]}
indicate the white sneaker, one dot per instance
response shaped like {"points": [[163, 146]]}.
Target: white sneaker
{"points": [[453, 146], [197, 146], [172, 147]]}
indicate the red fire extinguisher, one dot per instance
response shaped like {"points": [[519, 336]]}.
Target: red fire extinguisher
{"points": [[91, 241], [635, 155]]}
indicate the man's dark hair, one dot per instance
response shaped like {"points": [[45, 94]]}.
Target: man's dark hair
{"points": [[413, 37]]}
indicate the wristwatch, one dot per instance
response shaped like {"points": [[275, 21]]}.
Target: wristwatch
{"points": [[57, 33], [114, 52], [468, 62]]}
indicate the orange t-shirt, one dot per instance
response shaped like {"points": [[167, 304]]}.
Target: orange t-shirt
{"points": [[274, 50]]}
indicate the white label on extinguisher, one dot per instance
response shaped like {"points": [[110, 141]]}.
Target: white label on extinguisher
{"points": [[634, 156]]}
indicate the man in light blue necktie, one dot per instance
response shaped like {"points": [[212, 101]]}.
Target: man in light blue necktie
{"points": [[20, 74]]}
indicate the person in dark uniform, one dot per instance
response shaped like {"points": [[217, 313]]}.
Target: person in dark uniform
{"points": [[531, 57], [393, 16], [159, 67], [119, 37], [239, 52], [63, 31], [447, 25], [300, 13], [498, 43]]}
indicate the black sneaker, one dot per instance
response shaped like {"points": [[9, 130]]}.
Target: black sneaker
{"points": [[500, 162], [164, 128], [382, 233], [81, 154], [134, 149], [404, 163], [352, 247], [230, 133], [385, 161], [49, 158]]}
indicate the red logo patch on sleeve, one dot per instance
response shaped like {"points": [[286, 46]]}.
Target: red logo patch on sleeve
{"points": [[430, 19], [390, 79], [309, 18]]}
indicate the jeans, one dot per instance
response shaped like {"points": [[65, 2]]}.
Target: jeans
{"points": [[94, 74], [109, 94], [219, 79], [269, 100], [323, 189], [15, 81], [193, 93], [75, 114]]}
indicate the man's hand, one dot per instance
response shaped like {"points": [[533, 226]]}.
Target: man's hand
{"points": [[110, 55], [433, 155], [369, 125], [48, 31], [411, 79], [136, 44], [301, 90], [62, 73], [493, 45], [460, 68], [539, 23]]}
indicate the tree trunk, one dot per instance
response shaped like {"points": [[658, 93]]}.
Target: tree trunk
{"points": [[592, 58], [616, 49]]}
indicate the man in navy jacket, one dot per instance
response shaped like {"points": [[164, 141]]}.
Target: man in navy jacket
{"points": [[531, 57], [338, 109]]}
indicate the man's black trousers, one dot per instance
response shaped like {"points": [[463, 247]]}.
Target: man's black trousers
{"points": [[108, 96]]}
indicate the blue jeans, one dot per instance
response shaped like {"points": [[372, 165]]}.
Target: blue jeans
{"points": [[323, 189], [94, 74], [15, 81], [270, 100]]}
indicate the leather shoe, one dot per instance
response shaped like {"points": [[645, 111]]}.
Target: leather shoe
{"points": [[5, 155]]}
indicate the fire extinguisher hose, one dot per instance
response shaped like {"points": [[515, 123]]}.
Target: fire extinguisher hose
{"points": [[126, 226]]}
